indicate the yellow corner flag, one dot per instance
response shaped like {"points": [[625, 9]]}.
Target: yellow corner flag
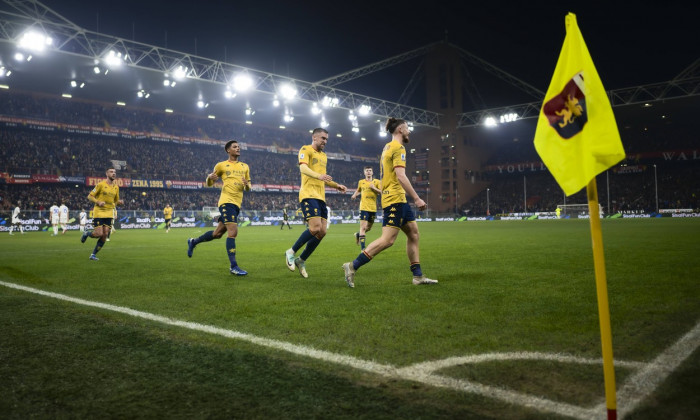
{"points": [[576, 134]]}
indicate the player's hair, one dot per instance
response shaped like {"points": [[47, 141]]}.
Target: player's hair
{"points": [[368, 167], [228, 143], [108, 168], [319, 130], [393, 123]]}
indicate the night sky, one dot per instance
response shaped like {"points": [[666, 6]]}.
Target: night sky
{"points": [[314, 40]]}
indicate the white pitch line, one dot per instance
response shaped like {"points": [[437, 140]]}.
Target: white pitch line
{"points": [[640, 385], [645, 382]]}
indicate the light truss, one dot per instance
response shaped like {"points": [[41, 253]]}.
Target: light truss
{"points": [[674, 89], [18, 16]]}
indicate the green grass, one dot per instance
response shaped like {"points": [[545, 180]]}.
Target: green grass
{"points": [[504, 287]]}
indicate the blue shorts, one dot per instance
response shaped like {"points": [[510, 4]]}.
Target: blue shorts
{"points": [[102, 221], [397, 215], [229, 213], [367, 215], [312, 207]]}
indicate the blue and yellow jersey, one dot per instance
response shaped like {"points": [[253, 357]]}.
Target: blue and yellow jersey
{"points": [[107, 193], [312, 187], [168, 212], [393, 156], [368, 198], [232, 174]]}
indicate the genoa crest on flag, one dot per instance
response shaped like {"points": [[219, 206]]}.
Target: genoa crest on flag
{"points": [[566, 112], [576, 135]]}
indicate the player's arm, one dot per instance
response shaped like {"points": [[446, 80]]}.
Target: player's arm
{"points": [[375, 189], [117, 201], [246, 179], [406, 184], [93, 196], [213, 176], [357, 191]]}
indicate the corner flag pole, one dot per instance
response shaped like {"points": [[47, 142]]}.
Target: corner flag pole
{"points": [[603, 305]]}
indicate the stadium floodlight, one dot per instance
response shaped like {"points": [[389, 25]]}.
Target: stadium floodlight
{"points": [[4, 87], [275, 102], [5, 72], [356, 129], [364, 109], [168, 110], [490, 122], [352, 116], [282, 127], [329, 102], [202, 104], [382, 133], [242, 82], [143, 94], [288, 91], [67, 95], [509, 117], [96, 69], [180, 72], [19, 56], [288, 117], [410, 126], [324, 123], [34, 41], [121, 103], [315, 109], [114, 58], [211, 117], [228, 94], [249, 111], [74, 83]]}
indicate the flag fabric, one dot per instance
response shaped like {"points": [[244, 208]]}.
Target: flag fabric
{"points": [[576, 135]]}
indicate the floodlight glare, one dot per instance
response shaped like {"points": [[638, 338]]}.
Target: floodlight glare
{"points": [[356, 129], [166, 82], [96, 70], [364, 110], [19, 56], [242, 82], [490, 122], [275, 102], [200, 104], [73, 83], [229, 95], [34, 41], [330, 102], [510, 117], [180, 72], [352, 116], [114, 58], [288, 91]]}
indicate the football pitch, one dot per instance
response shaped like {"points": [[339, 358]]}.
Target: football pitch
{"points": [[511, 331]]}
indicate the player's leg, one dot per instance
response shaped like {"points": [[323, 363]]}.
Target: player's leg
{"points": [[217, 233], [362, 237], [413, 253], [231, 233], [54, 227], [100, 232], [386, 240]]}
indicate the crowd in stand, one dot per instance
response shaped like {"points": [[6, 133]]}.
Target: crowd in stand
{"points": [[674, 184]]}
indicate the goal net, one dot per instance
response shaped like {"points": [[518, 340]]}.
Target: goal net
{"points": [[575, 210], [212, 212]]}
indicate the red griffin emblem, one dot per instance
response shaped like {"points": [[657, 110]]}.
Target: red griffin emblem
{"points": [[566, 112]]}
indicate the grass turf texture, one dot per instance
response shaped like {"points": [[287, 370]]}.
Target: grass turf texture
{"points": [[504, 287]]}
